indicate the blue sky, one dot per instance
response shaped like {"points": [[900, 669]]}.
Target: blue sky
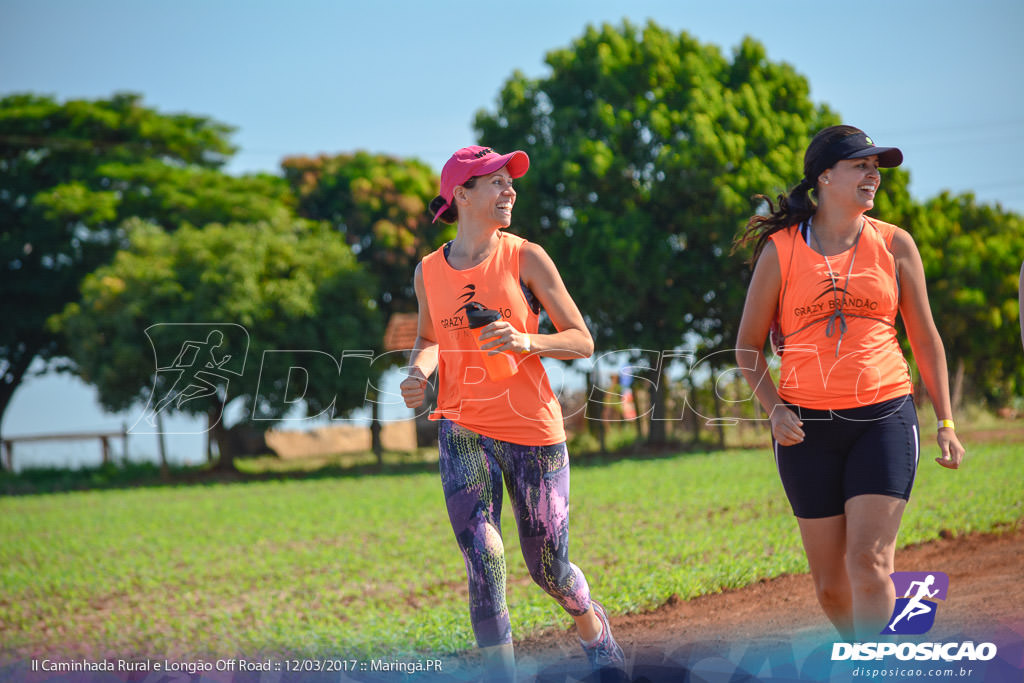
{"points": [[936, 78]]}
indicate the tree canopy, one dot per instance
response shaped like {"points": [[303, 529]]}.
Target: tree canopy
{"points": [[646, 148], [972, 254], [69, 174], [379, 204], [294, 289]]}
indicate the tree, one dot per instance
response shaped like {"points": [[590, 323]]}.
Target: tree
{"points": [[69, 174], [171, 196], [295, 289], [972, 254], [379, 205], [646, 148]]}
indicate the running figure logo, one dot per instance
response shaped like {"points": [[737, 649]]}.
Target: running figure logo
{"points": [[205, 358], [915, 611]]}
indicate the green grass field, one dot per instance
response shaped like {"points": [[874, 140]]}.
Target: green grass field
{"points": [[367, 566]]}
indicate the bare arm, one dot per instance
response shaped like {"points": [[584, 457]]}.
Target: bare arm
{"points": [[925, 342], [572, 339], [758, 313], [423, 360]]}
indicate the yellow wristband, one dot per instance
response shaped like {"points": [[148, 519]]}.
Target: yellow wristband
{"points": [[529, 345], [946, 423]]}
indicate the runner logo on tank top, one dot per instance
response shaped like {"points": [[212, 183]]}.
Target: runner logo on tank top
{"points": [[457, 319]]}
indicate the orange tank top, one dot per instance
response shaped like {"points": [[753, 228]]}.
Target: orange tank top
{"points": [[838, 321], [521, 409]]}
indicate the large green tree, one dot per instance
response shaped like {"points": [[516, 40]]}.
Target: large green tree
{"points": [[646, 148], [378, 203], [972, 254], [291, 312], [70, 174]]}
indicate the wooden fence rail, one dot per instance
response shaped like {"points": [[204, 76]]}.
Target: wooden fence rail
{"points": [[104, 437]]}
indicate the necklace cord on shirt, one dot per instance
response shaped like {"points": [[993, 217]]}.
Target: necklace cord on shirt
{"points": [[779, 338], [837, 304]]}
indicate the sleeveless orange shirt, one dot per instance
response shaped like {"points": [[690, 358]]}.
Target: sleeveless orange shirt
{"points": [[840, 346], [521, 409]]}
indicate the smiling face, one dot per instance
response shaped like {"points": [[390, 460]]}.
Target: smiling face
{"points": [[851, 182], [489, 201]]}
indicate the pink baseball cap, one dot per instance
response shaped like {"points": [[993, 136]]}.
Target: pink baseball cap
{"points": [[473, 161]]}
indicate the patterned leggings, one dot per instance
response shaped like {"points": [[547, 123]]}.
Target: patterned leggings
{"points": [[537, 478]]}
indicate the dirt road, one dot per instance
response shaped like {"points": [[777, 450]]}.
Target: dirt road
{"points": [[775, 631]]}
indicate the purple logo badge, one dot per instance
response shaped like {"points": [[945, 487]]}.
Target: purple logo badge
{"points": [[915, 608]]}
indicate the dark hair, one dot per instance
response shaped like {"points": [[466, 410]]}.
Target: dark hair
{"points": [[451, 214], [797, 205]]}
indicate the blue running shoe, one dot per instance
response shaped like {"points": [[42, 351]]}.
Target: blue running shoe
{"points": [[605, 653]]}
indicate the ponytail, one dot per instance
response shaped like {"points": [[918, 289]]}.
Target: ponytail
{"points": [[795, 207], [449, 215]]}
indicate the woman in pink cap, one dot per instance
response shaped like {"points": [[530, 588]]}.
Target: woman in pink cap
{"points": [[507, 425]]}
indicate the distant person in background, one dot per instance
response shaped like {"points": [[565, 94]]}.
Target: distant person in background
{"points": [[510, 426], [628, 400], [622, 409], [831, 281]]}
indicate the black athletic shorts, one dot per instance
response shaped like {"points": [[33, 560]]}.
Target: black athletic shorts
{"points": [[847, 453]]}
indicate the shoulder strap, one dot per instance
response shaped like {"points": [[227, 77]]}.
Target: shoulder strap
{"points": [[429, 265], [531, 298], [775, 336], [792, 237], [887, 232]]}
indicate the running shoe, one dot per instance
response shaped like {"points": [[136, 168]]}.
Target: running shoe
{"points": [[605, 653]]}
